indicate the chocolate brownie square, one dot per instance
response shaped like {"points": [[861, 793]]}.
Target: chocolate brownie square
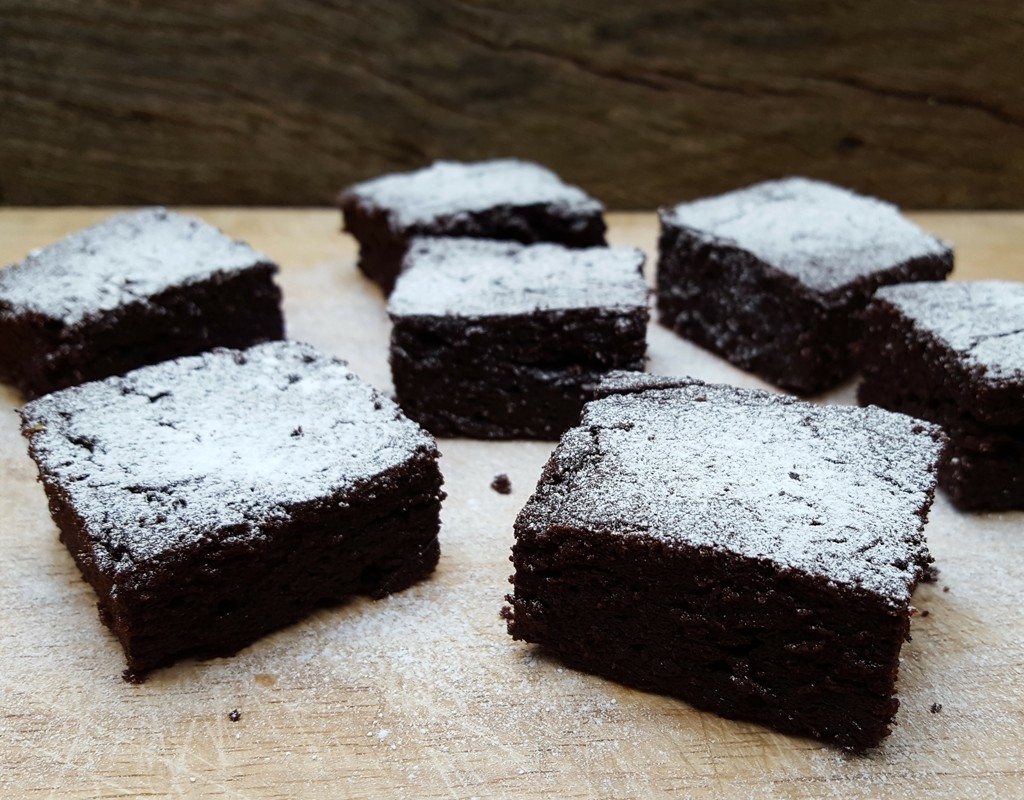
{"points": [[953, 353], [134, 290], [500, 340], [212, 499], [500, 199], [771, 277], [748, 552]]}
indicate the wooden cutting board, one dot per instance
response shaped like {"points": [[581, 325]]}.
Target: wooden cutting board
{"points": [[423, 695]]}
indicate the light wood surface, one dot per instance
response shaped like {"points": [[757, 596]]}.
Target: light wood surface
{"points": [[423, 695]]}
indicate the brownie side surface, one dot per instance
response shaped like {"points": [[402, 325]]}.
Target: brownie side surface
{"points": [[500, 340], [771, 277], [947, 353], [735, 576], [510, 377], [133, 290], [199, 537], [502, 199]]}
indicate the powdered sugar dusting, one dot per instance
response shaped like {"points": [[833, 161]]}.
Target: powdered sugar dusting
{"points": [[220, 442], [480, 277], [830, 491], [451, 187], [982, 321], [126, 259], [821, 234]]}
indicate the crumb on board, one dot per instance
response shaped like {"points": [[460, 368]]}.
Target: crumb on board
{"points": [[936, 708], [235, 715], [501, 484]]}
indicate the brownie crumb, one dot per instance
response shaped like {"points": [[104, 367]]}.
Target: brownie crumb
{"points": [[936, 708], [501, 484], [925, 613], [945, 588], [236, 715]]}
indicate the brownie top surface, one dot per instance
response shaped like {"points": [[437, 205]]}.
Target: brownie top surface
{"points": [[829, 491], [125, 259], [446, 188], [824, 236], [982, 322], [169, 455], [481, 277]]}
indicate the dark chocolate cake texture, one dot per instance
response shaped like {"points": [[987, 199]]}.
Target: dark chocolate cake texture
{"points": [[133, 290], [500, 340], [771, 277], [500, 199], [212, 499], [750, 553], [953, 353]]}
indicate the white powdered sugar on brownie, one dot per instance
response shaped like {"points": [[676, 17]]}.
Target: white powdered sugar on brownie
{"points": [[126, 259], [213, 445], [981, 321], [481, 277], [449, 188], [829, 491], [822, 235]]}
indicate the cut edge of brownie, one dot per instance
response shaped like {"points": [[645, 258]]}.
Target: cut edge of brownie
{"points": [[236, 576], [765, 320], [602, 636], [908, 368], [574, 221], [42, 355], [495, 370], [247, 592], [90, 305], [561, 566]]}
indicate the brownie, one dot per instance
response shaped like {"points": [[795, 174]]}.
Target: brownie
{"points": [[500, 199], [133, 290], [214, 498], [771, 277], [500, 340], [953, 353], [747, 552]]}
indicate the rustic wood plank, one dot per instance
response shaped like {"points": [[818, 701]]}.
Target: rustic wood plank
{"points": [[274, 102], [424, 695]]}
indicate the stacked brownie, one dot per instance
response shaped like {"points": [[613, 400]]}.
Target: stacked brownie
{"points": [[953, 353], [501, 199], [211, 499], [136, 289], [500, 340], [771, 277], [748, 552]]}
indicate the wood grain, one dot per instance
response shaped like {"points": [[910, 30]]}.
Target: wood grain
{"points": [[281, 103], [423, 695]]}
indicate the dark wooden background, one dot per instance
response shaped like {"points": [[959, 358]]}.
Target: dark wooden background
{"points": [[644, 103]]}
